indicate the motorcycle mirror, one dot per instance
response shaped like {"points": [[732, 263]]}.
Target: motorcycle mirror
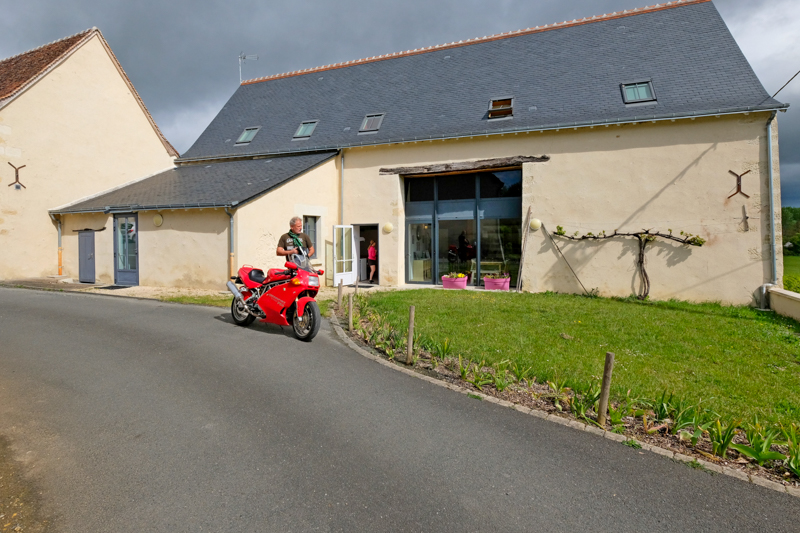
{"points": [[290, 265]]}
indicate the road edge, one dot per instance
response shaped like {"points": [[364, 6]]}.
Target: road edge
{"points": [[678, 457]]}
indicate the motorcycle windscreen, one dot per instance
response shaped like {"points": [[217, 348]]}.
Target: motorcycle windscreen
{"points": [[344, 262]]}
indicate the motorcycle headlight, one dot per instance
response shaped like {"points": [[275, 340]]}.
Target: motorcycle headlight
{"points": [[313, 281]]}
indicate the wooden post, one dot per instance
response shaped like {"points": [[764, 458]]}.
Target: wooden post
{"points": [[350, 312], [605, 390], [356, 289], [410, 354], [339, 301]]}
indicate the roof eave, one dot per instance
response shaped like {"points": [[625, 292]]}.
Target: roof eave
{"points": [[114, 209], [487, 133]]}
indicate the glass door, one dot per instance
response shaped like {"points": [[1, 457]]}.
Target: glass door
{"points": [[344, 264], [126, 250], [420, 261]]}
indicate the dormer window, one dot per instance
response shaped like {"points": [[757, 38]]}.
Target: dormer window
{"points": [[640, 91], [306, 129], [501, 107], [371, 123], [247, 135]]}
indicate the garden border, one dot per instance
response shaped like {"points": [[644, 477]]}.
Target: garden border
{"points": [[679, 457]]}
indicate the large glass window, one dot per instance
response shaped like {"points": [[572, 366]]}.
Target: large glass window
{"points": [[458, 187], [458, 248], [505, 184], [467, 223], [419, 189], [420, 262], [501, 246]]}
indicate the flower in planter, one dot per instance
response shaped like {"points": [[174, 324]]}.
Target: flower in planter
{"points": [[498, 275]]}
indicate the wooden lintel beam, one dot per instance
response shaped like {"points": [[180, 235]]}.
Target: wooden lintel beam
{"points": [[502, 163]]}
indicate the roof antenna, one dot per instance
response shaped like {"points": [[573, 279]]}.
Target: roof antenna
{"points": [[243, 58]]}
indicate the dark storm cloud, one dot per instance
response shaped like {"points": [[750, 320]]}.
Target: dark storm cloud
{"points": [[182, 55]]}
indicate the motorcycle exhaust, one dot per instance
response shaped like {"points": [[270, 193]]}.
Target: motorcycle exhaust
{"points": [[235, 291]]}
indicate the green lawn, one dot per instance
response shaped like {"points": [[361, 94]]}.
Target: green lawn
{"points": [[791, 265], [739, 361]]}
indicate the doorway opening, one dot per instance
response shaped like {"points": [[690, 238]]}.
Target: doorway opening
{"points": [[364, 234]]}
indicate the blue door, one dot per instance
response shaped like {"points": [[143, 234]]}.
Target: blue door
{"points": [[86, 257], [126, 250]]}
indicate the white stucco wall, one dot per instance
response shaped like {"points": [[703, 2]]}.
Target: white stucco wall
{"points": [[661, 176], [78, 131], [259, 224], [189, 249]]}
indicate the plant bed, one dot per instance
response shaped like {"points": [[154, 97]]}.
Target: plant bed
{"points": [[663, 420]]}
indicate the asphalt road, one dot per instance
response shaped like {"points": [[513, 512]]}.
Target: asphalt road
{"points": [[144, 416]]}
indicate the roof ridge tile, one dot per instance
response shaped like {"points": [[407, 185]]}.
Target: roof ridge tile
{"points": [[3, 60], [476, 40]]}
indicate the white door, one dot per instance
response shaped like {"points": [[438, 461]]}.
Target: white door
{"points": [[344, 264]]}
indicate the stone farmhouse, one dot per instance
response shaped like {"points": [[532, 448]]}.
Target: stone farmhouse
{"points": [[644, 120]]}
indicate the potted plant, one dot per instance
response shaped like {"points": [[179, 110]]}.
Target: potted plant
{"points": [[499, 281], [455, 281]]}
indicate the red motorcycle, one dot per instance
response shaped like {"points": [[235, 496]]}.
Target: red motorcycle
{"points": [[283, 297]]}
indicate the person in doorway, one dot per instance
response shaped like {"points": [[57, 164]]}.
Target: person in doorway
{"points": [[295, 238], [372, 259]]}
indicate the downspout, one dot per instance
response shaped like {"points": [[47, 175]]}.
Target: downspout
{"points": [[772, 200], [764, 289], [60, 249], [231, 265], [341, 193]]}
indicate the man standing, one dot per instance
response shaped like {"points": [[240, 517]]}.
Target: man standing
{"points": [[295, 238]]}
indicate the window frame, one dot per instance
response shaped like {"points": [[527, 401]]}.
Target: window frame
{"points": [[501, 110], [298, 137], [254, 129], [648, 82], [316, 220], [363, 130]]}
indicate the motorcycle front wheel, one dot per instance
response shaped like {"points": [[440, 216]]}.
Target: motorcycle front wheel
{"points": [[240, 315], [306, 327]]}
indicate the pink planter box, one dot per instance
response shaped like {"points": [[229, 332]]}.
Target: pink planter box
{"points": [[501, 284], [454, 283]]}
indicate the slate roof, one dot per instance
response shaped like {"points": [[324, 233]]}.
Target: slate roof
{"points": [[560, 75], [23, 70], [193, 186]]}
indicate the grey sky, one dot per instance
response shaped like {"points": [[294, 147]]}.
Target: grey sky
{"points": [[182, 55]]}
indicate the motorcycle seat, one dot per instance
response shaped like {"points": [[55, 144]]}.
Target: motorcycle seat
{"points": [[275, 274], [257, 276]]}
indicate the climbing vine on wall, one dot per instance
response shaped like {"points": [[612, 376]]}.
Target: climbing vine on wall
{"points": [[644, 237]]}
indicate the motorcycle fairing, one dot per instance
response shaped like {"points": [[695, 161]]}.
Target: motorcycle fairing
{"points": [[301, 304]]}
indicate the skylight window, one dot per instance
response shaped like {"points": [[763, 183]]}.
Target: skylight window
{"points": [[641, 91], [247, 135], [372, 123], [501, 107], [306, 129]]}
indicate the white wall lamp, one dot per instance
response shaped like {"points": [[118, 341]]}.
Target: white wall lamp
{"points": [[388, 228], [158, 220], [535, 224]]}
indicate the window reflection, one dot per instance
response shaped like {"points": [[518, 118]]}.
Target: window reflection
{"points": [[458, 248], [501, 246], [420, 263]]}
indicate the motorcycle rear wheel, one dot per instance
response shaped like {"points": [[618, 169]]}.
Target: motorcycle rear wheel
{"points": [[240, 315], [306, 327]]}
